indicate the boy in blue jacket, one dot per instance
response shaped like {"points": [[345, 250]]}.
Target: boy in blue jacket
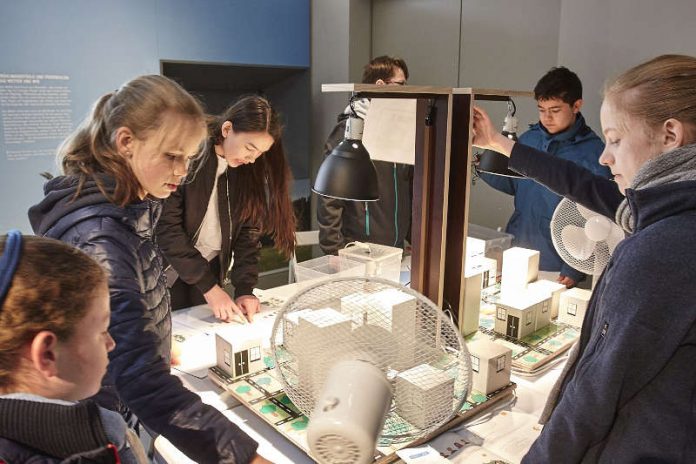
{"points": [[561, 132]]}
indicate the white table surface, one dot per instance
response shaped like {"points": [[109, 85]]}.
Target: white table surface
{"points": [[508, 430]]}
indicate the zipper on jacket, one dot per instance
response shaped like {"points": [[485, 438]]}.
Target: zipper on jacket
{"points": [[225, 279], [396, 208]]}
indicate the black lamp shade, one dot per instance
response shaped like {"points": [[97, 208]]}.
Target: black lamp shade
{"points": [[496, 163], [348, 173]]}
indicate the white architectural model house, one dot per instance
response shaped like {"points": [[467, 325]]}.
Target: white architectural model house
{"points": [[554, 288], [518, 315], [573, 306], [424, 395], [487, 266], [236, 355], [491, 364], [520, 266]]}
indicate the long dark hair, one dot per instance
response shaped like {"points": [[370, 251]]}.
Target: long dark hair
{"points": [[263, 187]]}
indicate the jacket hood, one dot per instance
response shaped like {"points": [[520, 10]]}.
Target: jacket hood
{"points": [[60, 201], [653, 204], [61, 210], [579, 131]]}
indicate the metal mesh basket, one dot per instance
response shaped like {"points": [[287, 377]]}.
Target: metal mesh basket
{"points": [[398, 330]]}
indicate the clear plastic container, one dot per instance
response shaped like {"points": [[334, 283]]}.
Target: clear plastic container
{"points": [[495, 242], [380, 260], [328, 266]]}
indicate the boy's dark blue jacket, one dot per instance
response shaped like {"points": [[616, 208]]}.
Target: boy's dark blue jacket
{"points": [[530, 222], [138, 378], [631, 395]]}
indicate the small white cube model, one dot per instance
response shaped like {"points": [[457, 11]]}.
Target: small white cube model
{"points": [[520, 266], [573, 306], [356, 306], [552, 287], [518, 315], [393, 310], [469, 315], [323, 328], [487, 266], [490, 363], [236, 355], [396, 312], [291, 322], [320, 333], [424, 395]]}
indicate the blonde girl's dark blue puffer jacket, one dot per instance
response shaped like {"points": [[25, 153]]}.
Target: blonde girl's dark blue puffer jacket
{"points": [[138, 380]]}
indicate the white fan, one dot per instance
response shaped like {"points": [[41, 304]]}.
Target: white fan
{"points": [[366, 358], [584, 239]]}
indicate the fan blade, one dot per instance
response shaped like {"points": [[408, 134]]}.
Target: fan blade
{"points": [[615, 236], [584, 212], [597, 227], [576, 243]]}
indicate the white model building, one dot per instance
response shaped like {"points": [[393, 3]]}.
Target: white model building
{"points": [[424, 395], [520, 266], [573, 306], [475, 247], [469, 320], [321, 331], [291, 323], [491, 364], [236, 355], [487, 266], [554, 288], [518, 315], [355, 306], [397, 312]]}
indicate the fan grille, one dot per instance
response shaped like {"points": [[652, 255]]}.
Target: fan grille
{"points": [[394, 328], [583, 239], [337, 449]]}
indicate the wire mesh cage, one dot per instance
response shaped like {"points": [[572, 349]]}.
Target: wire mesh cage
{"points": [[405, 335]]}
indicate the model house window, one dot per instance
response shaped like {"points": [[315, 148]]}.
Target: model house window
{"points": [[475, 362], [529, 318], [572, 309], [254, 353], [545, 307], [226, 357], [500, 363], [501, 313]]}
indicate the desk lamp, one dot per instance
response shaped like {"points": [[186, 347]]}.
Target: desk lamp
{"points": [[493, 162], [348, 173]]}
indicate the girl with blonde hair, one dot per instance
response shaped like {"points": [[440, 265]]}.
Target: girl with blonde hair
{"points": [[130, 153], [627, 392]]}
